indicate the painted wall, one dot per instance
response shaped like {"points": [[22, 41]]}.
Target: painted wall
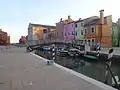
{"points": [[106, 38], [30, 33], [78, 30], [115, 35], [69, 32], [60, 31]]}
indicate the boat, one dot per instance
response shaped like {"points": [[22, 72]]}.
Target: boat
{"points": [[76, 52], [62, 53], [73, 52], [91, 57], [46, 48]]}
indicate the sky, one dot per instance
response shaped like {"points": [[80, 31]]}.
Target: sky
{"points": [[15, 15]]}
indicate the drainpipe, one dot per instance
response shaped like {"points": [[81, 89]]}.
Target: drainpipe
{"points": [[101, 36]]}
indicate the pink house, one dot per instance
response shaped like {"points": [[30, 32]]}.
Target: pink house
{"points": [[60, 28], [69, 32]]}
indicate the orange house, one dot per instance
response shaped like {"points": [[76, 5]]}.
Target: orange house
{"points": [[99, 31]]}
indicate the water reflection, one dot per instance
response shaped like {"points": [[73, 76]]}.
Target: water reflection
{"points": [[93, 69]]}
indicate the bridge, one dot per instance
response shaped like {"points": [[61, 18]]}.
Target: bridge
{"points": [[38, 44]]}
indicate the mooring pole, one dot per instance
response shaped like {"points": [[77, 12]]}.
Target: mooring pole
{"points": [[98, 51], [108, 66], [108, 63], [53, 53]]}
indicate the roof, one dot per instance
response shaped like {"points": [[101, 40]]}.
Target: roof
{"points": [[46, 26], [92, 22], [71, 22], [85, 19]]}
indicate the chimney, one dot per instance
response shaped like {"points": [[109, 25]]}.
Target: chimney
{"points": [[101, 16], [79, 18], [61, 20], [69, 17]]}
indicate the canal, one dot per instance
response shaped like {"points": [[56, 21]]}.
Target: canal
{"points": [[90, 68]]}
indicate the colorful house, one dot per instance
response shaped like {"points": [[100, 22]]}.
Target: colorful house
{"points": [[116, 34], [69, 32], [60, 34], [99, 31], [79, 29], [60, 30]]}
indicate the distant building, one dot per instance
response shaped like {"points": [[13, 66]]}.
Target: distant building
{"points": [[4, 38], [69, 32], [22, 39], [79, 29], [38, 32], [116, 34], [60, 32], [99, 31]]}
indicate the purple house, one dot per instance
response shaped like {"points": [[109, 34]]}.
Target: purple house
{"points": [[60, 30], [69, 32]]}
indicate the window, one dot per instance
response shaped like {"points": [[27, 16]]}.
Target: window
{"points": [[76, 25], [85, 31], [44, 30], [82, 32], [81, 24], [65, 34], [62, 33], [76, 33], [92, 40], [72, 33], [92, 30], [68, 33]]}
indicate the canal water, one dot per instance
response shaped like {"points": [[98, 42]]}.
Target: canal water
{"points": [[90, 68]]}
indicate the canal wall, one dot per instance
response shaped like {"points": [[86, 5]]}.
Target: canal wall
{"points": [[80, 77], [104, 55]]}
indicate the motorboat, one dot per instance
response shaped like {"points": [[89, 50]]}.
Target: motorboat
{"points": [[46, 48], [62, 53]]}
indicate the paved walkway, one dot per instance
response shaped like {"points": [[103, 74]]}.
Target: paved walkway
{"points": [[24, 71]]}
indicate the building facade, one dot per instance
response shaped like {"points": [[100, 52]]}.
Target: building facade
{"points": [[38, 32], [79, 29], [116, 34], [99, 31], [60, 32], [79, 32], [69, 32], [22, 39]]}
